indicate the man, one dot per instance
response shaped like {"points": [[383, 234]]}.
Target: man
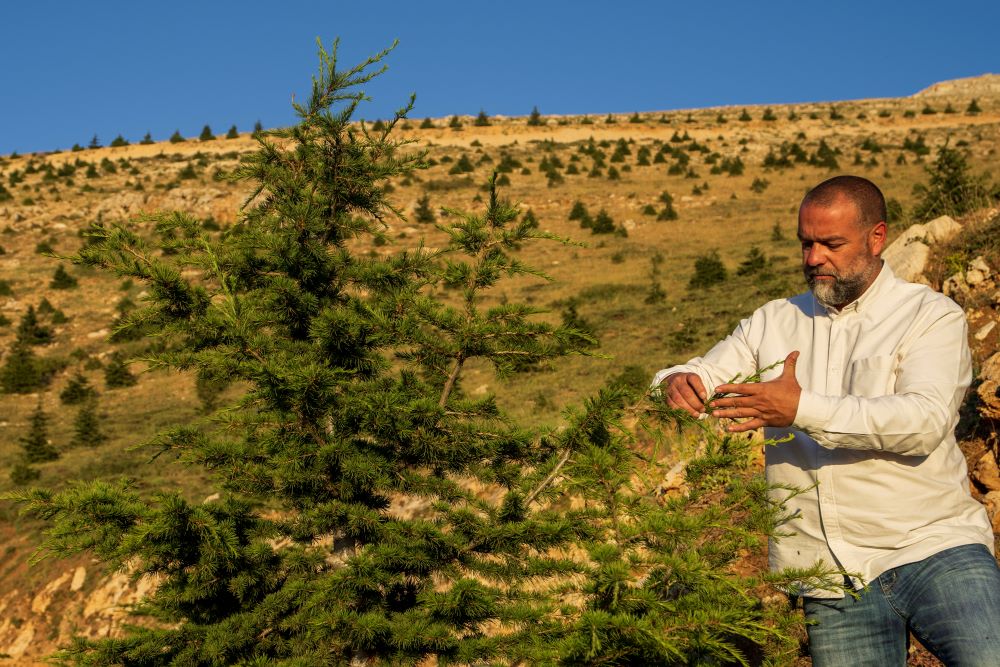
{"points": [[874, 371]]}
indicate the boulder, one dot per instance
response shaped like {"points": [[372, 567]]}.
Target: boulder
{"points": [[986, 472], [978, 272], [907, 260], [989, 387], [907, 255]]}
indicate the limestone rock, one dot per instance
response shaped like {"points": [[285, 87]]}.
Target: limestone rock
{"points": [[955, 285], [992, 503], [941, 229], [907, 260], [989, 387], [978, 272], [985, 330], [986, 472], [907, 255]]}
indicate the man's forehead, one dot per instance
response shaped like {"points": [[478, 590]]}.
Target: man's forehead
{"points": [[841, 213]]}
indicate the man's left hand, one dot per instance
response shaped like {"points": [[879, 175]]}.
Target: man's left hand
{"points": [[771, 403]]}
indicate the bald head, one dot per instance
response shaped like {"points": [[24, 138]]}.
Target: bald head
{"points": [[862, 193]]}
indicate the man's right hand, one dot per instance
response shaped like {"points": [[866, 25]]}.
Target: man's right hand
{"points": [[685, 391]]}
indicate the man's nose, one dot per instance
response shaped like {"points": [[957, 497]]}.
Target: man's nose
{"points": [[815, 256]]}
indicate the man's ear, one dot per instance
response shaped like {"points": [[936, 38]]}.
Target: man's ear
{"points": [[876, 238]]}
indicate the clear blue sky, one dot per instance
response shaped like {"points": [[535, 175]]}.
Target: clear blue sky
{"points": [[71, 69]]}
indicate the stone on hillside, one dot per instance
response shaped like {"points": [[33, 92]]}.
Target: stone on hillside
{"points": [[985, 330], [992, 503], [955, 285], [978, 272], [986, 472], [907, 261], [907, 255], [989, 387], [119, 205], [941, 229]]}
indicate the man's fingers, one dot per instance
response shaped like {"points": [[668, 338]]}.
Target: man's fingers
{"points": [[730, 402], [748, 425], [789, 366], [745, 389], [688, 400], [686, 392], [699, 388]]}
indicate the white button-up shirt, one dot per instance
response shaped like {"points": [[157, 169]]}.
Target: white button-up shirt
{"points": [[873, 441]]}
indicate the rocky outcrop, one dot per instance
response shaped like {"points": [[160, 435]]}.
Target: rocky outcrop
{"points": [[989, 389], [907, 255], [984, 85]]}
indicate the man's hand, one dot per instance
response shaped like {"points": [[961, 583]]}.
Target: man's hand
{"points": [[771, 403], [685, 391]]}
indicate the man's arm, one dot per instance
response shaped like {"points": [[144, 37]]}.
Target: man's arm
{"points": [[930, 383]]}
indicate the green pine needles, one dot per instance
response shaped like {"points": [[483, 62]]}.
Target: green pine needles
{"points": [[372, 511]]}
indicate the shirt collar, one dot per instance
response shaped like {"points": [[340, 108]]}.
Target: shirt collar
{"points": [[879, 286]]}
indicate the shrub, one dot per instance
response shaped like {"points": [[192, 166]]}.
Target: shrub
{"points": [[759, 185], [777, 234], [973, 108], [22, 373], [61, 279], [86, 427], [928, 110], [35, 446], [426, 124], [147, 139], [31, 331], [423, 213], [755, 262], [77, 390], [482, 120], [578, 211], [119, 141], [635, 118], [824, 156], [835, 115], [602, 224], [176, 137], [893, 211], [667, 212], [951, 189], [117, 374], [462, 166], [744, 116], [769, 115], [708, 270], [22, 473], [206, 134], [535, 118]]}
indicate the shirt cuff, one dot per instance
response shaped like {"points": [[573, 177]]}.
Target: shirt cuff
{"points": [[814, 412]]}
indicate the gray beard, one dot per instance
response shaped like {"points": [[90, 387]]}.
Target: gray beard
{"points": [[842, 291]]}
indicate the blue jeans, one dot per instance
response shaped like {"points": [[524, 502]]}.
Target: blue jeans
{"points": [[949, 601]]}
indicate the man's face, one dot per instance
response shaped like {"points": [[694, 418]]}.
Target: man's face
{"points": [[840, 258]]}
